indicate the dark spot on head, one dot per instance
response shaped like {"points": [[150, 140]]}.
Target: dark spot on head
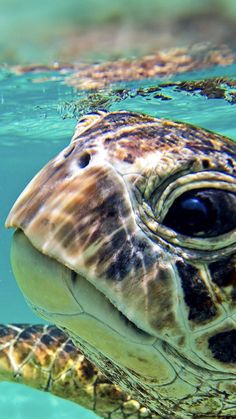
{"points": [[84, 160], [105, 253], [223, 346], [82, 120], [196, 294], [142, 247], [112, 213], [129, 158], [118, 239], [124, 259], [110, 210], [223, 272], [120, 267]]}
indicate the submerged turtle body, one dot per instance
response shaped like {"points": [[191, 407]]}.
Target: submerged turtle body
{"points": [[127, 241], [44, 357]]}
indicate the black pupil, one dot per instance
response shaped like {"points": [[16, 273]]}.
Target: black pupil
{"points": [[202, 213], [196, 212]]}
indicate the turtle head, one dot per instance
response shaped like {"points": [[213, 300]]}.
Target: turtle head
{"points": [[127, 240]]}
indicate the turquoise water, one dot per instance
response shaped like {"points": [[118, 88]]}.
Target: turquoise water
{"points": [[21, 402], [38, 114]]}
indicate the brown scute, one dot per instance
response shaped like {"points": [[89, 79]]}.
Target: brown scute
{"points": [[196, 295]]}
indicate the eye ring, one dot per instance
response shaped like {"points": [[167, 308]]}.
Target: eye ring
{"points": [[152, 212]]}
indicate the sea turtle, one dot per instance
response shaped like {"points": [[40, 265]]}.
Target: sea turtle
{"points": [[126, 240]]}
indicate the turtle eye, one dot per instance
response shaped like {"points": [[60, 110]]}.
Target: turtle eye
{"points": [[202, 213]]}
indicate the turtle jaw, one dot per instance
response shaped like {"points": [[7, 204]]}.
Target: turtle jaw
{"points": [[35, 274], [71, 302], [62, 291]]}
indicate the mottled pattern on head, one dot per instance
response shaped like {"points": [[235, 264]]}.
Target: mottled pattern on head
{"points": [[128, 136], [98, 208]]}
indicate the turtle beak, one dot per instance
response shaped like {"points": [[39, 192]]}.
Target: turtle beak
{"points": [[42, 279]]}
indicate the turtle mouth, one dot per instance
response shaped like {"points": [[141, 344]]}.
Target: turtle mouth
{"points": [[127, 322], [64, 297], [80, 288], [46, 314]]}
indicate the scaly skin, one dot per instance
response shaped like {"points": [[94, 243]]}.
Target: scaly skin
{"points": [[45, 358]]}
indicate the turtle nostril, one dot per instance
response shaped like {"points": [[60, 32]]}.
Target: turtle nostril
{"points": [[84, 160]]}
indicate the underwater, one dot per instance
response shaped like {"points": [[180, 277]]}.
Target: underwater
{"points": [[60, 63]]}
